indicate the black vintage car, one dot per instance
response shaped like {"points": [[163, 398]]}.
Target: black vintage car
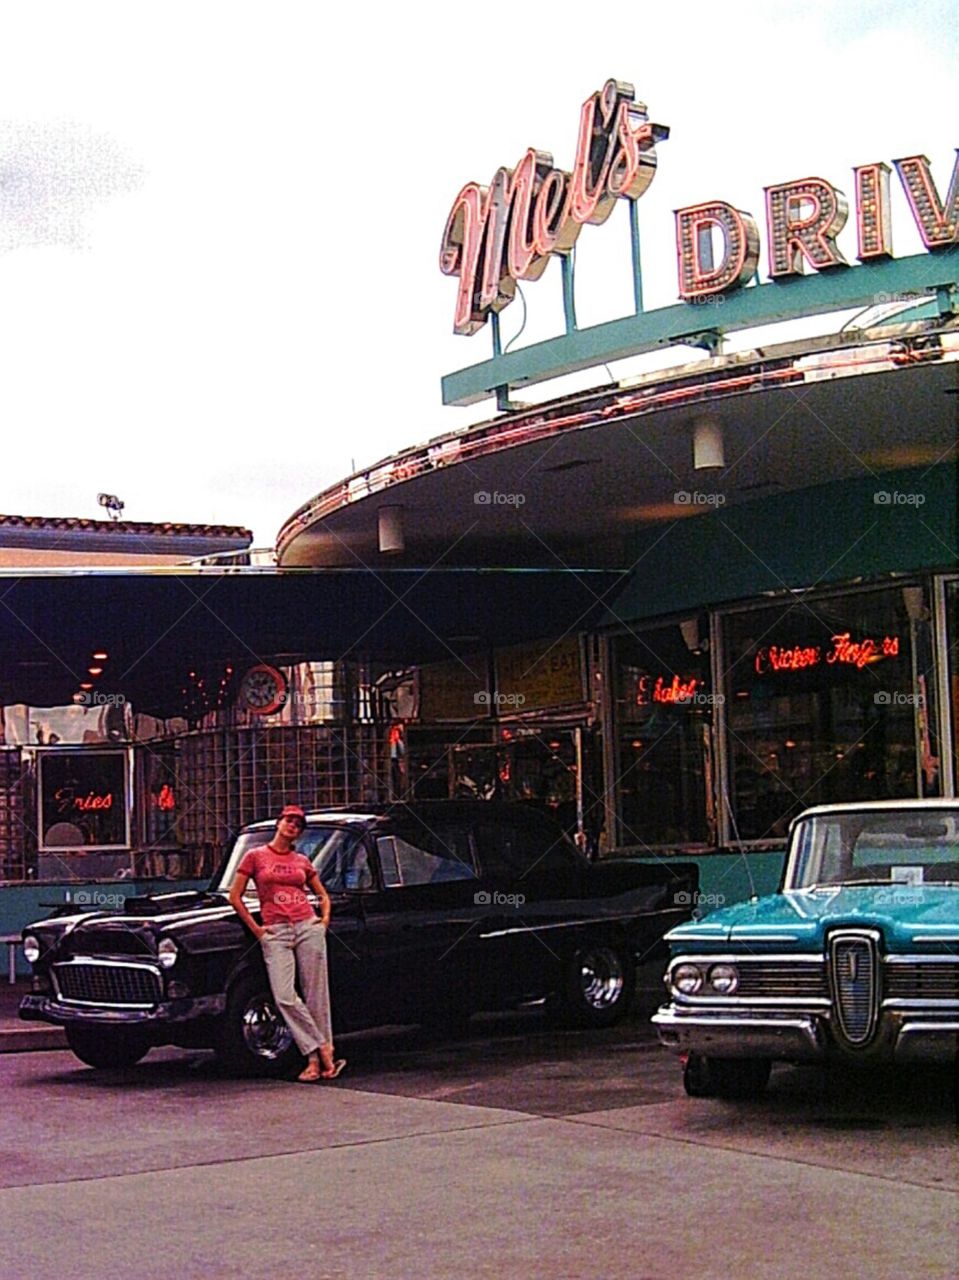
{"points": [[440, 909]]}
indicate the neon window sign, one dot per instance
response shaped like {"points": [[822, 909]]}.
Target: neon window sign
{"points": [[83, 800], [844, 651]]}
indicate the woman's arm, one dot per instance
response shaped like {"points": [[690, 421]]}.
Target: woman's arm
{"points": [[326, 906], [240, 881]]}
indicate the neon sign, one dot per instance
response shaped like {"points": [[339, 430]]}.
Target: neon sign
{"points": [[844, 651], [803, 219], [83, 799], [672, 691], [165, 798], [507, 231], [90, 803]]}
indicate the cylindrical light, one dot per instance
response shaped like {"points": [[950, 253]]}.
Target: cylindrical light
{"points": [[689, 628], [708, 444], [915, 607], [391, 530]]}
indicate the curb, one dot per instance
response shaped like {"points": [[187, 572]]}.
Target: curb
{"points": [[32, 1040]]}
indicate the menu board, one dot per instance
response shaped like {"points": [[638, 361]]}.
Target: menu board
{"points": [[455, 690], [534, 677], [83, 799]]}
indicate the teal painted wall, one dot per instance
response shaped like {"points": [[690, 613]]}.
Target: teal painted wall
{"points": [[829, 533], [725, 878], [22, 904]]}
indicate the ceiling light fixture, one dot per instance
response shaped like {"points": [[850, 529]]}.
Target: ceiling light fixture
{"points": [[708, 444], [390, 527]]}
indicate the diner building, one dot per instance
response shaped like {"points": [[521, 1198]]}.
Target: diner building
{"points": [[784, 630], [781, 510], [673, 608]]}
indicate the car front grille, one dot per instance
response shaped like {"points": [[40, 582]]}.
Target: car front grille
{"points": [[782, 979], [93, 982], [854, 974], [922, 980]]}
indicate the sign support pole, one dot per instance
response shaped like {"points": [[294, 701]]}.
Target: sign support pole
{"points": [[634, 240]]}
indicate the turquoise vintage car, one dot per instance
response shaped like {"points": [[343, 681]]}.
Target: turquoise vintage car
{"points": [[855, 959]]}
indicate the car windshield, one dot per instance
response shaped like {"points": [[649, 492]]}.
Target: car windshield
{"points": [[899, 846], [327, 847]]}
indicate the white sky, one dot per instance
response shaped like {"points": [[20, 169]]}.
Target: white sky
{"points": [[220, 222]]}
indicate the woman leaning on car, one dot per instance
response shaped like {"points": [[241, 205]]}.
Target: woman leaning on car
{"points": [[293, 939]]}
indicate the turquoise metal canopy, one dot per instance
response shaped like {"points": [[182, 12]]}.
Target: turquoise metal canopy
{"points": [[930, 276]]}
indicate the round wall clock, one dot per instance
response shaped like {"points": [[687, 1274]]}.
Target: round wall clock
{"points": [[263, 690]]}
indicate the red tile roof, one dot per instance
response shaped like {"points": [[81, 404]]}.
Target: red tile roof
{"points": [[144, 528]]}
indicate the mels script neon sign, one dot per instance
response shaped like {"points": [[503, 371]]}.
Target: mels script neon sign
{"points": [[506, 232]]}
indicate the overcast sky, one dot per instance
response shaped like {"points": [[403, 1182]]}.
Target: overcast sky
{"points": [[220, 222]]}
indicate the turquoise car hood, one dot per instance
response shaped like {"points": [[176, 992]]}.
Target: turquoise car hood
{"points": [[908, 915]]}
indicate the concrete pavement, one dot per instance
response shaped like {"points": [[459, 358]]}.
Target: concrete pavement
{"points": [[433, 1161]]}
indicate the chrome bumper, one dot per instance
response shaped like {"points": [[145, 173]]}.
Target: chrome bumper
{"points": [[44, 1009], [722, 1034], [928, 1040], [804, 1037]]}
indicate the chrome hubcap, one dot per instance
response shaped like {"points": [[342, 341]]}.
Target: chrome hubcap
{"points": [[265, 1033], [601, 978]]}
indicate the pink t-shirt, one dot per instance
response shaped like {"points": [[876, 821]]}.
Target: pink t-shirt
{"points": [[280, 880]]}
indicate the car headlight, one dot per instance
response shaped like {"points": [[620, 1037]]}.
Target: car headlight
{"points": [[31, 948], [687, 979], [724, 979], [167, 953]]}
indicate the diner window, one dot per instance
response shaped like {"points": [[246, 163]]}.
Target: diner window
{"points": [[664, 712], [951, 674], [822, 706], [513, 847], [157, 792]]}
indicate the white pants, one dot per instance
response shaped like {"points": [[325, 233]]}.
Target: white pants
{"points": [[291, 949]]}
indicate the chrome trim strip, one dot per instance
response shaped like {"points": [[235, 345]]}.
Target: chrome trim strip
{"points": [[916, 1004], [746, 1002], [575, 924], [737, 933], [736, 957], [937, 1028], [716, 935]]}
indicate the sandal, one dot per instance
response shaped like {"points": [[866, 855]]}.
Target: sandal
{"points": [[338, 1066], [310, 1073]]}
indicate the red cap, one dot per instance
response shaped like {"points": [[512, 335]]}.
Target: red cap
{"points": [[293, 811]]}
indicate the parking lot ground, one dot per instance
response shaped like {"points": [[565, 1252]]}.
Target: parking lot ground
{"points": [[518, 1150]]}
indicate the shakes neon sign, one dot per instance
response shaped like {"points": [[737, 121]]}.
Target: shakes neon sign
{"points": [[506, 232], [676, 690]]}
